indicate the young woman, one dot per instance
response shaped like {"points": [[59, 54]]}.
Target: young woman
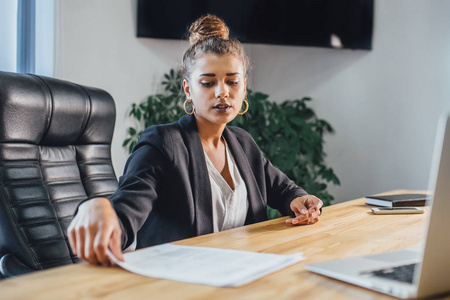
{"points": [[197, 175]]}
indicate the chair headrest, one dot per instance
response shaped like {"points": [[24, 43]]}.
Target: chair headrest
{"points": [[47, 111]]}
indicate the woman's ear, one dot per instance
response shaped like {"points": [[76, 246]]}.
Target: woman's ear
{"points": [[186, 89], [245, 88]]}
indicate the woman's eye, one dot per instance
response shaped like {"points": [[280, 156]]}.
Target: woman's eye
{"points": [[233, 82], [207, 83]]}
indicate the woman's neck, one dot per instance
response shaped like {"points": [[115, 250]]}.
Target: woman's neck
{"points": [[210, 134]]}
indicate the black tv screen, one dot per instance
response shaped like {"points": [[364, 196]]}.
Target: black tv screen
{"points": [[281, 22]]}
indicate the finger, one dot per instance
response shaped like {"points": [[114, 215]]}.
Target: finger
{"points": [[89, 254], [313, 201], [298, 208], [313, 212], [317, 212], [308, 221], [116, 244], [320, 205], [72, 239], [292, 221], [313, 221], [80, 242], [299, 220], [310, 218], [310, 202], [300, 216], [101, 245]]}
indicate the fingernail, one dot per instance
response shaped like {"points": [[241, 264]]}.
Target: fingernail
{"points": [[304, 211], [295, 221]]}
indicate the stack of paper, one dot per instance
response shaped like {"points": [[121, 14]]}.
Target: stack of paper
{"points": [[203, 265]]}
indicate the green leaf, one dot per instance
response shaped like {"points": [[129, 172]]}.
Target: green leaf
{"points": [[126, 142], [297, 121], [138, 115], [271, 213], [132, 145], [131, 131]]}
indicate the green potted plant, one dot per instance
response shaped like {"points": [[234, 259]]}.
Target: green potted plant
{"points": [[289, 134]]}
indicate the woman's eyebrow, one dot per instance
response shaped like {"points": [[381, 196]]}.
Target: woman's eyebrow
{"points": [[213, 75]]}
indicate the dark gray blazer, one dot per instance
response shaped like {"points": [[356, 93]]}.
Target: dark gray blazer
{"points": [[165, 192]]}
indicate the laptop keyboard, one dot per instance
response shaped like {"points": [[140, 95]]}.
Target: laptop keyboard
{"points": [[403, 273]]}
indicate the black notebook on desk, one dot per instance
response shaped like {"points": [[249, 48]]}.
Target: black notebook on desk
{"points": [[401, 200]]}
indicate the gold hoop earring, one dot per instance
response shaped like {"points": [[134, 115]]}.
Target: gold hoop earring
{"points": [[246, 108], [193, 108]]}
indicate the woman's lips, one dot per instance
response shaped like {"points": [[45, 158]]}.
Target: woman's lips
{"points": [[222, 107]]}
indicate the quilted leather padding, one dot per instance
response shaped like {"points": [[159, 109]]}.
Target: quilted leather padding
{"points": [[55, 141], [11, 266]]}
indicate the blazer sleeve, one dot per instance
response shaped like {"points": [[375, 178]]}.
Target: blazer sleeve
{"points": [[280, 189], [139, 186]]}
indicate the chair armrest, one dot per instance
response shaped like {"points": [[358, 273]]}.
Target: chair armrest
{"points": [[11, 266]]}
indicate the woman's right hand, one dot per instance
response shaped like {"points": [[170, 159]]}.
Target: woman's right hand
{"points": [[93, 230]]}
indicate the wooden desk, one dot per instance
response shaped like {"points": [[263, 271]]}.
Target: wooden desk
{"points": [[345, 229]]}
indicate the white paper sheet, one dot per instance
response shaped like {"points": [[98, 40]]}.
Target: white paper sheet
{"points": [[204, 265]]}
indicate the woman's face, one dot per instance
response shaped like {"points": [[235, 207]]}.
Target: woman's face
{"points": [[217, 88]]}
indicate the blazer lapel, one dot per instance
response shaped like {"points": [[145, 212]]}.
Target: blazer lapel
{"points": [[257, 210], [199, 177]]}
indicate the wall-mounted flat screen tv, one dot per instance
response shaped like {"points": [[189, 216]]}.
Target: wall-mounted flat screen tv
{"points": [[319, 23]]}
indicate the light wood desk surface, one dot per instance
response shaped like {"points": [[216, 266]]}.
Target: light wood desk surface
{"points": [[345, 229]]}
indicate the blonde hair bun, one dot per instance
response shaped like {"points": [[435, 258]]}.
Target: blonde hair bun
{"points": [[206, 27]]}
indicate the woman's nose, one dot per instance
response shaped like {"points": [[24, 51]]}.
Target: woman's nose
{"points": [[222, 92]]}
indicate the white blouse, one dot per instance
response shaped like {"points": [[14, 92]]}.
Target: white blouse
{"points": [[229, 206]]}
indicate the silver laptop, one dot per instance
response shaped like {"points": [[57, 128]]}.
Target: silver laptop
{"points": [[416, 272]]}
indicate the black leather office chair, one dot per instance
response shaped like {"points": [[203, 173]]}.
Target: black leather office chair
{"points": [[55, 140]]}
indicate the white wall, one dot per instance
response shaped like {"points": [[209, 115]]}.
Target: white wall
{"points": [[96, 45], [383, 103]]}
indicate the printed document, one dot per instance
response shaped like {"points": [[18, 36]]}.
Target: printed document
{"points": [[204, 265]]}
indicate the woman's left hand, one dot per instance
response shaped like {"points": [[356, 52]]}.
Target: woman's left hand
{"points": [[306, 209]]}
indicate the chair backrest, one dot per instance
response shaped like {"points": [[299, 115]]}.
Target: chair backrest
{"points": [[55, 141]]}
